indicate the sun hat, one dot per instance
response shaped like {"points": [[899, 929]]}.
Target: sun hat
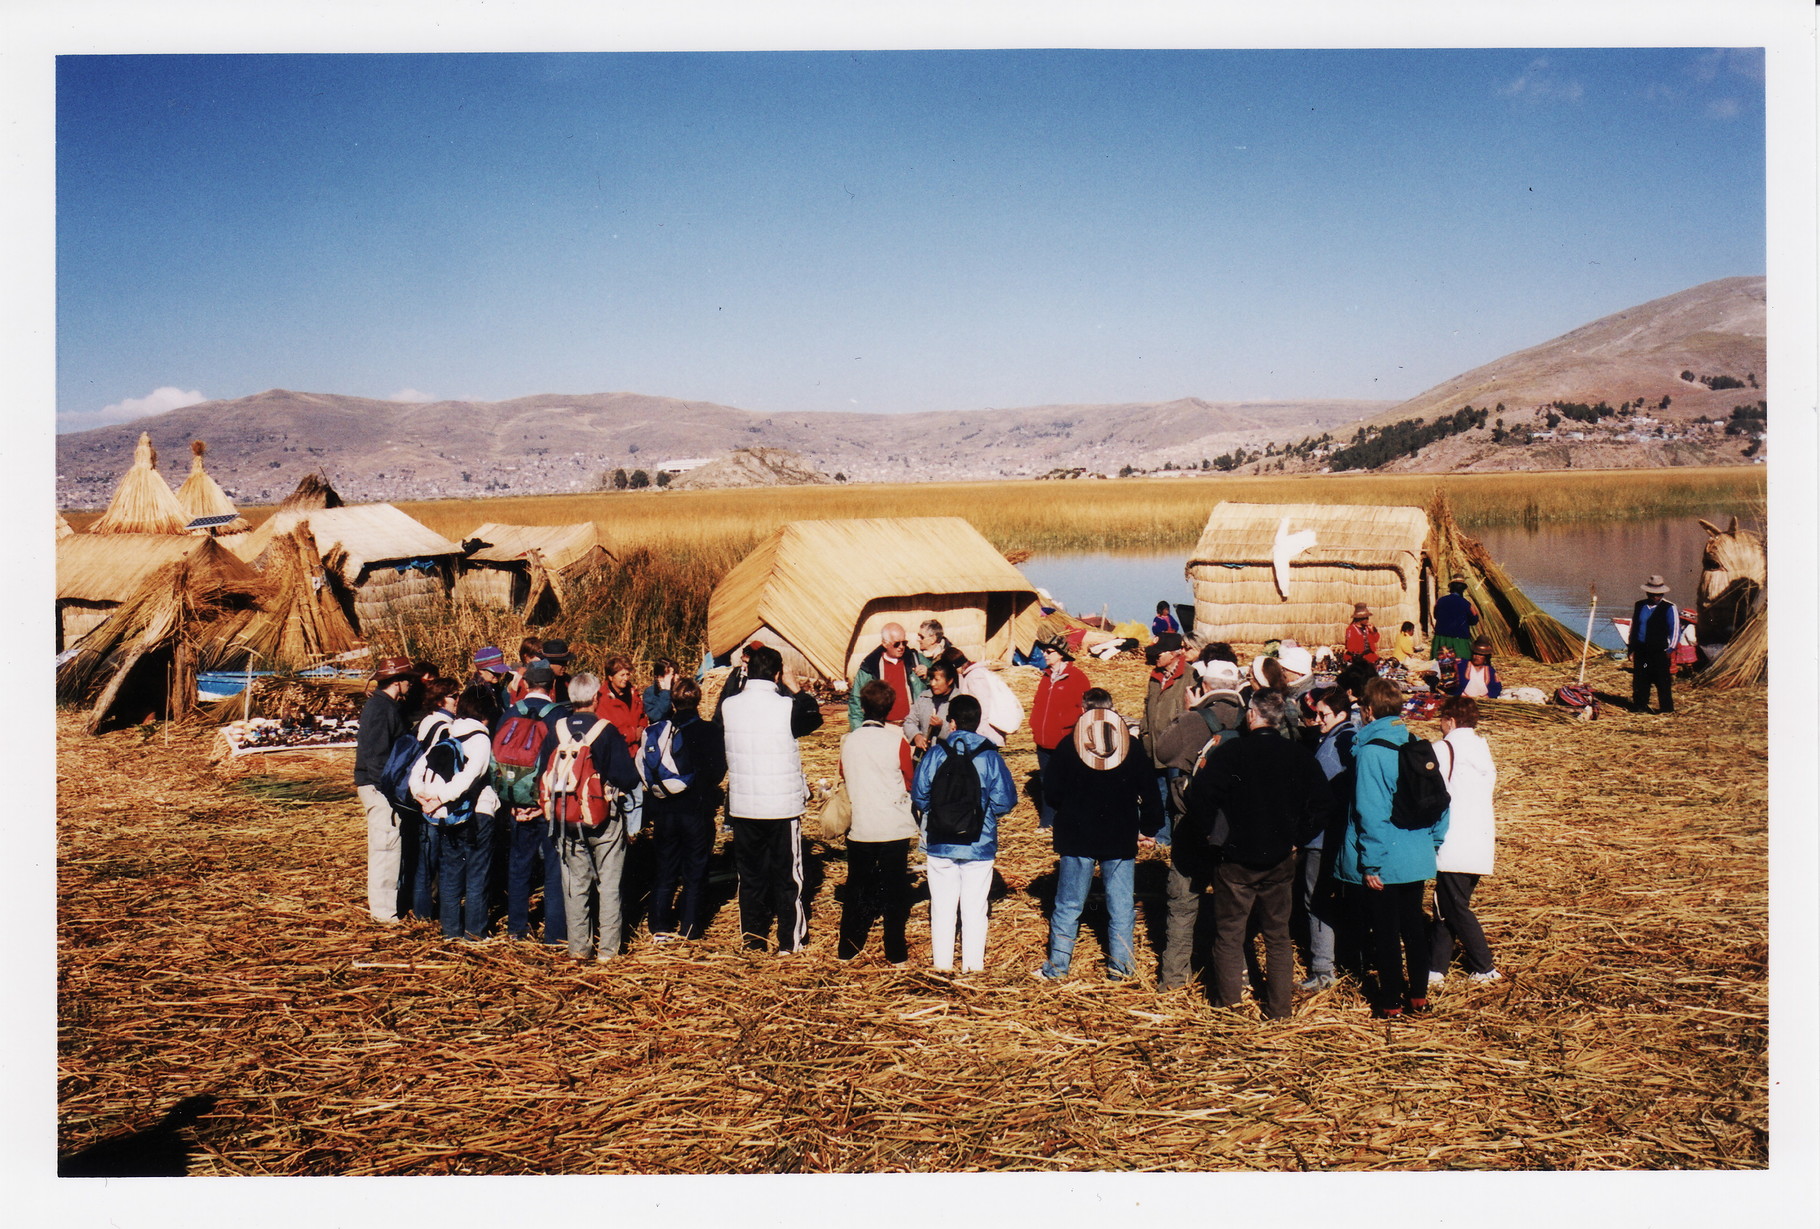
{"points": [[1054, 646], [1218, 675], [556, 651], [488, 657], [392, 668], [539, 674], [1296, 663], [1655, 584]]}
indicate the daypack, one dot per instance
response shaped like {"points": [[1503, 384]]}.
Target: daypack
{"points": [[570, 789], [954, 815], [1421, 795], [395, 776], [448, 752], [516, 744], [663, 763]]}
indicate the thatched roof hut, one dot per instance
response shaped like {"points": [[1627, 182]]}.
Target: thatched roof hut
{"points": [[388, 563], [820, 590], [143, 502], [183, 616], [96, 573], [201, 496], [313, 494], [528, 567], [1294, 570], [1507, 617]]}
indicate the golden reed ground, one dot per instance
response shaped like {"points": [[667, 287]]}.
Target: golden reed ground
{"points": [[212, 940]]}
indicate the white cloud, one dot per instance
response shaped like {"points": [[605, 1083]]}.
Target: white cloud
{"points": [[410, 394], [1539, 84], [158, 401]]}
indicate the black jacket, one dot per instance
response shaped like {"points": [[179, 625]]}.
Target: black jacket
{"points": [[381, 723], [1100, 812], [1273, 793]]}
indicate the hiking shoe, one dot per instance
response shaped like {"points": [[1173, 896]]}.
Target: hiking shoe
{"points": [[1043, 974], [1318, 982], [1485, 978]]}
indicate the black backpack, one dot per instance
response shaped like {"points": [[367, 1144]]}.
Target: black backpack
{"points": [[954, 815], [1421, 796]]}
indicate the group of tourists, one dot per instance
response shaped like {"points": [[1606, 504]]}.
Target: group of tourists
{"points": [[1280, 802]]}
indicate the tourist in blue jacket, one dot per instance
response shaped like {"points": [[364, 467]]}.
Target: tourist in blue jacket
{"points": [[960, 876], [1387, 865]]}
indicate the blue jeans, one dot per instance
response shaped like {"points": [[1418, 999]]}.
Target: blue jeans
{"points": [[467, 865], [530, 842], [425, 851], [1073, 876]]}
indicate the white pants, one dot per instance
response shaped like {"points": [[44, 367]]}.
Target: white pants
{"points": [[385, 852], [958, 888]]}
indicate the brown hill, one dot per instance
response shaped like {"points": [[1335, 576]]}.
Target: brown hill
{"points": [[752, 467]]}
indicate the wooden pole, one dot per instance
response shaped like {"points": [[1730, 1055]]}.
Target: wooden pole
{"points": [[1586, 644]]}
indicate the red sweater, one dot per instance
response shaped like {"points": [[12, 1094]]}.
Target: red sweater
{"points": [[1057, 706], [627, 715]]}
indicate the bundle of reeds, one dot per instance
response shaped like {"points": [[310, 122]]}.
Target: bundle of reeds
{"points": [[1507, 617], [1744, 662], [389, 592], [143, 502], [301, 621], [202, 496]]}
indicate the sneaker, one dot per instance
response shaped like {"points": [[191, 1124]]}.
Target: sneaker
{"points": [[1043, 974], [664, 937], [1436, 979], [1318, 982], [1486, 978]]}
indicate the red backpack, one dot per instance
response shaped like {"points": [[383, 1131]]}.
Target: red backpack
{"points": [[571, 789], [516, 744]]}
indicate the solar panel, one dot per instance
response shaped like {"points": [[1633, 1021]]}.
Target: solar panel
{"points": [[211, 522]]}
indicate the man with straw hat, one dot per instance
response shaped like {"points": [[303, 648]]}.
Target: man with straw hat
{"points": [[1655, 628], [381, 722]]}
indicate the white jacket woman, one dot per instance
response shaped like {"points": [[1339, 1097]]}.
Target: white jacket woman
{"points": [[432, 792], [1471, 828]]}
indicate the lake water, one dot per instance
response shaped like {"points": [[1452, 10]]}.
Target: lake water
{"points": [[1554, 565]]}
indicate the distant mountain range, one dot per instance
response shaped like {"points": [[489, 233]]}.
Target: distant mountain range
{"points": [[260, 445]]}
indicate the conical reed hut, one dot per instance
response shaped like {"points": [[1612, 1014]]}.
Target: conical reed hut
{"points": [[1507, 617], [201, 496], [143, 502], [64, 528], [300, 622], [143, 660]]}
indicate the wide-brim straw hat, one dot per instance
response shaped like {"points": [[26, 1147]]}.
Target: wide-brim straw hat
{"points": [[391, 668], [1655, 584]]}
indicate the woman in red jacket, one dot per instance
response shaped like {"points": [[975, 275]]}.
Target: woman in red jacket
{"points": [[1058, 705]]}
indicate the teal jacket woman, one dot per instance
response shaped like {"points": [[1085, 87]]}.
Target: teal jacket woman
{"points": [[1374, 845]]}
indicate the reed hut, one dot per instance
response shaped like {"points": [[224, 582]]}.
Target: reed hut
{"points": [[528, 568], [184, 616], [818, 591], [301, 621], [313, 494], [386, 564], [64, 528], [1295, 570], [1744, 661], [143, 502], [203, 499], [96, 573]]}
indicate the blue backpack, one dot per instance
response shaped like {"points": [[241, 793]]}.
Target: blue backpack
{"points": [[445, 757], [663, 762], [395, 777]]}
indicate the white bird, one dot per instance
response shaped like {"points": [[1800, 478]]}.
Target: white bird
{"points": [[1286, 547]]}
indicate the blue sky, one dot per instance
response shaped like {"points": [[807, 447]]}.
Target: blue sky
{"points": [[878, 231]]}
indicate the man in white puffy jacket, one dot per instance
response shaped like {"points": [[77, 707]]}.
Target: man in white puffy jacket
{"points": [[765, 797], [1000, 712]]}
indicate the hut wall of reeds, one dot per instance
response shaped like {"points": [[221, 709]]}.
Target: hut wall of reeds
{"points": [[1507, 617], [1357, 553], [200, 496], [143, 502], [527, 567], [96, 573], [390, 565], [185, 616], [822, 589]]}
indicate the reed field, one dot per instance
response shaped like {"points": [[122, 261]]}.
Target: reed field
{"points": [[213, 943]]}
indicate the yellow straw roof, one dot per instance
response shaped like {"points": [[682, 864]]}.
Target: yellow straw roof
{"points": [[200, 495], [111, 567], [811, 580], [560, 545]]}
